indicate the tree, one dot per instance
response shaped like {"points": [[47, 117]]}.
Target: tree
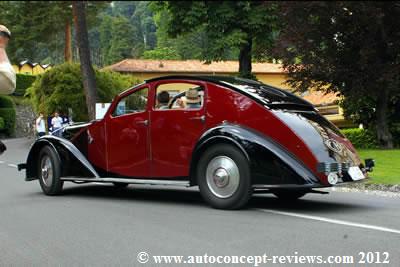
{"points": [[348, 47], [117, 38], [89, 80], [42, 29], [227, 25]]}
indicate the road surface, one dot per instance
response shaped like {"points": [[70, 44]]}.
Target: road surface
{"points": [[99, 225]]}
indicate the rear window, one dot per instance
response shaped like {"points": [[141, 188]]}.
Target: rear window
{"points": [[269, 95]]}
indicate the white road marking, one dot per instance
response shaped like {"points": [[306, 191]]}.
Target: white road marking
{"points": [[1, 162], [328, 220], [12, 165]]}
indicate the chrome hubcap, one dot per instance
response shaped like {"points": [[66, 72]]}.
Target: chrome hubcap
{"points": [[46, 171], [222, 176]]}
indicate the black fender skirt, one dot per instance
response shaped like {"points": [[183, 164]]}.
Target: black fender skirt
{"points": [[73, 162], [271, 164]]}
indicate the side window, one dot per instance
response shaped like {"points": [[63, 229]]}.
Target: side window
{"points": [[133, 103], [179, 96]]}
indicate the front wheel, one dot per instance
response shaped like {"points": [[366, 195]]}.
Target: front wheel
{"points": [[223, 176], [49, 171]]}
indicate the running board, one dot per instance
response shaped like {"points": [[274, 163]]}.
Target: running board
{"points": [[128, 181]]}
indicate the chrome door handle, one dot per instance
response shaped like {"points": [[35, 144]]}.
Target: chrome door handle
{"points": [[145, 122], [201, 118]]}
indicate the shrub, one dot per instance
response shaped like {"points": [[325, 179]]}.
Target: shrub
{"points": [[61, 88], [8, 115], [361, 138], [6, 102], [24, 81], [1, 124]]}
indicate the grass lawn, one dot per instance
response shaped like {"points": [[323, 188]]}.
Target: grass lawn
{"points": [[387, 169]]}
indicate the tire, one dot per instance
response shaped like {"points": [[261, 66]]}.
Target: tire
{"points": [[120, 185], [223, 176], [49, 171], [289, 194]]}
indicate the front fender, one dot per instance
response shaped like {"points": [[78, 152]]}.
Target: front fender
{"points": [[72, 160], [270, 163]]}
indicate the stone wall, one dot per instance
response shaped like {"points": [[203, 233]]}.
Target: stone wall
{"points": [[25, 121]]}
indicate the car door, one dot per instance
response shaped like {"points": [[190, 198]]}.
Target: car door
{"points": [[127, 136], [174, 131]]}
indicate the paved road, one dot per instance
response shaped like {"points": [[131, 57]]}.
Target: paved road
{"points": [[91, 225]]}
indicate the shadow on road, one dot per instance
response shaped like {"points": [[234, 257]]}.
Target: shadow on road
{"points": [[324, 203]]}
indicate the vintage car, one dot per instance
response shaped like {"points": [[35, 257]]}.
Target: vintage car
{"points": [[241, 137]]}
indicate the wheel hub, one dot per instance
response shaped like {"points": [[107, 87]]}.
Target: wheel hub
{"points": [[46, 171], [223, 177]]}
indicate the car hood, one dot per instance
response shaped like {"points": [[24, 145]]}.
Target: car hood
{"points": [[73, 130]]}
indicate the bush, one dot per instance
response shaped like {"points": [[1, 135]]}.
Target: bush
{"points": [[24, 81], [361, 138], [1, 124], [61, 88], [6, 102], [8, 115]]}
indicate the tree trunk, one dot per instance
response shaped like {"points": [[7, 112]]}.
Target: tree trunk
{"points": [[245, 59], [88, 75], [385, 138], [68, 47]]}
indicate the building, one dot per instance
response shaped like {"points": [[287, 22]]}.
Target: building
{"points": [[269, 73], [29, 68]]}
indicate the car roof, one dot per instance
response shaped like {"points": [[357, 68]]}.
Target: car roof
{"points": [[264, 94]]}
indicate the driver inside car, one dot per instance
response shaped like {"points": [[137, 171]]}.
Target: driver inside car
{"points": [[163, 100]]}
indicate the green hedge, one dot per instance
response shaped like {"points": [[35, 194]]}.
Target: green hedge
{"points": [[361, 138], [6, 102], [8, 115], [2, 123], [24, 81], [60, 88]]}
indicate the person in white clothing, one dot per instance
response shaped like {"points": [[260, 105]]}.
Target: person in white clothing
{"points": [[57, 123], [7, 73], [40, 125]]}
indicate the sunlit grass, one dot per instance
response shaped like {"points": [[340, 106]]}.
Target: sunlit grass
{"points": [[387, 169]]}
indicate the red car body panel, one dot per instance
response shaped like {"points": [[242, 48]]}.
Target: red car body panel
{"points": [[223, 103]]}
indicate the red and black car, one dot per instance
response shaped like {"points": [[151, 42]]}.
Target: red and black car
{"points": [[240, 137]]}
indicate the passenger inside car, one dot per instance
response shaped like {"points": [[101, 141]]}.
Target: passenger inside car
{"points": [[193, 99], [163, 100]]}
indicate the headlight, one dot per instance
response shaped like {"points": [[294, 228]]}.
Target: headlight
{"points": [[333, 178]]}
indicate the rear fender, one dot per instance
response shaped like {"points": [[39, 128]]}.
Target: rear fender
{"points": [[270, 163]]}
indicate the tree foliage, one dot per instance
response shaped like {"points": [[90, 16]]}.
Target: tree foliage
{"points": [[226, 24], [7, 115], [38, 28], [348, 47]]}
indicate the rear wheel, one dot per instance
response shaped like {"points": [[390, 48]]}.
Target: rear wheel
{"points": [[223, 176], [289, 194], [49, 171]]}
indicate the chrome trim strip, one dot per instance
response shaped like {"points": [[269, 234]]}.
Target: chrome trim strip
{"points": [[128, 181], [273, 186]]}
